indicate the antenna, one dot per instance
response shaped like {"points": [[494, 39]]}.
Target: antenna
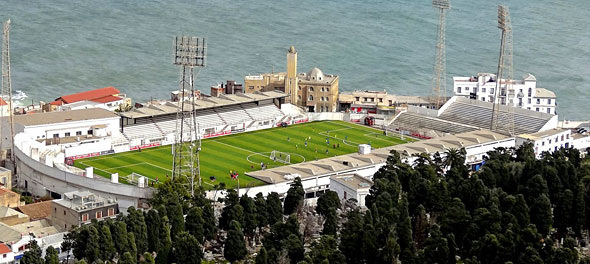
{"points": [[439, 78], [189, 52], [7, 85], [504, 92]]}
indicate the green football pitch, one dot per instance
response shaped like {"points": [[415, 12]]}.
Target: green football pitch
{"points": [[244, 152]]}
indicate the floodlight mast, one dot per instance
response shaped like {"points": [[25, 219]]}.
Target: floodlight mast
{"points": [[189, 52], [439, 79], [7, 86], [504, 74]]}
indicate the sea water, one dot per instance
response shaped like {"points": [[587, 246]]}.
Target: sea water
{"points": [[60, 47]]}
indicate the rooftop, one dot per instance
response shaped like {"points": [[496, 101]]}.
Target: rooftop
{"points": [[169, 107], [542, 134], [4, 191], [83, 201], [352, 181], [36, 211], [4, 249], [63, 116], [89, 95], [544, 93]]}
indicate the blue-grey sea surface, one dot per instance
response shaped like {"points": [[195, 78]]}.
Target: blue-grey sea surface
{"points": [[60, 47]]}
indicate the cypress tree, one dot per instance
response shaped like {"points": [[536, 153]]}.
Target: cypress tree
{"points": [[275, 208], [194, 223], [153, 220], [187, 249], [262, 257], [165, 242], [294, 199], [209, 220], [235, 245], [261, 211], [250, 215], [127, 258], [106, 245], [51, 256]]}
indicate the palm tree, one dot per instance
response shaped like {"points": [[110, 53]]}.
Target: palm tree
{"points": [[454, 157]]}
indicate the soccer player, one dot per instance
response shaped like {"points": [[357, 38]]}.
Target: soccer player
{"points": [[306, 143]]}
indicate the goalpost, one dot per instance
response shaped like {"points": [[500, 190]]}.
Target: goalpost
{"points": [[280, 156]]}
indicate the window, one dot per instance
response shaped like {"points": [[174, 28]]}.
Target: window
{"points": [[310, 98], [311, 89], [67, 134], [98, 214], [562, 137], [84, 217], [492, 90], [327, 89], [109, 104], [322, 98], [543, 143], [538, 101], [520, 90], [530, 91], [78, 133], [537, 109], [550, 141], [299, 88], [529, 100], [299, 97], [467, 89], [111, 212], [64, 212], [55, 135], [357, 99], [528, 108], [458, 89], [90, 132], [380, 100], [549, 101], [519, 101], [390, 102], [483, 89], [327, 98], [251, 87], [323, 89], [548, 110], [567, 136], [483, 99], [475, 89], [372, 99]]}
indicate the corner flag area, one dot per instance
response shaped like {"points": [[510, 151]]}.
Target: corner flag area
{"points": [[246, 152]]}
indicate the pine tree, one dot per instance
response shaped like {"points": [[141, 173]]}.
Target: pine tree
{"points": [[294, 199], [261, 210], [127, 258], [250, 215], [33, 256], [187, 249], [136, 224], [275, 208], [235, 245], [175, 217], [194, 223], [106, 245], [153, 221], [120, 237], [209, 220], [327, 202], [51, 256], [262, 257], [165, 242]]}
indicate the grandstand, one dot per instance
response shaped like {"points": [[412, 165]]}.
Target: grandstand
{"points": [[477, 113], [409, 120], [236, 112]]}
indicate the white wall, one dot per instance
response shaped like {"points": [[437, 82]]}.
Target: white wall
{"points": [[47, 130]]}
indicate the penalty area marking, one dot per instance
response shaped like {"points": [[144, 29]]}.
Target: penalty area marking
{"points": [[266, 156]]}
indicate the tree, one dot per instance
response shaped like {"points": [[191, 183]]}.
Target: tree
{"points": [[153, 220], [106, 245], [250, 215], [194, 223], [262, 257], [132, 246], [187, 249], [274, 208], [136, 224], [404, 232], [120, 237], [294, 199], [261, 211], [235, 246], [330, 225], [327, 202], [351, 237], [51, 256], [127, 258], [209, 220], [165, 242], [436, 249], [294, 246], [148, 258], [175, 217], [67, 244], [33, 256], [326, 251], [541, 214]]}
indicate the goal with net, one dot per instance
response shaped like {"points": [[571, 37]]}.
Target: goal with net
{"points": [[282, 157]]}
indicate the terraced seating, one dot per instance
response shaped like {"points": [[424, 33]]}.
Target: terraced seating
{"points": [[409, 120], [233, 114]]}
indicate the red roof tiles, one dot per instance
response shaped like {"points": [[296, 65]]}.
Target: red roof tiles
{"points": [[2, 102], [36, 211], [89, 95], [107, 99], [4, 249]]}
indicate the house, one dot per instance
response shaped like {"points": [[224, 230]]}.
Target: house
{"points": [[78, 208], [547, 141], [109, 98], [4, 107], [36, 211], [6, 254], [9, 198], [351, 186], [5, 178], [12, 217]]}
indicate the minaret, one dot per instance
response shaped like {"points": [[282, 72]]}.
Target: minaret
{"points": [[291, 80]]}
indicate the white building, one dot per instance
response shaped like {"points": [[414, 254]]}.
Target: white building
{"points": [[522, 93], [549, 140], [351, 186]]}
